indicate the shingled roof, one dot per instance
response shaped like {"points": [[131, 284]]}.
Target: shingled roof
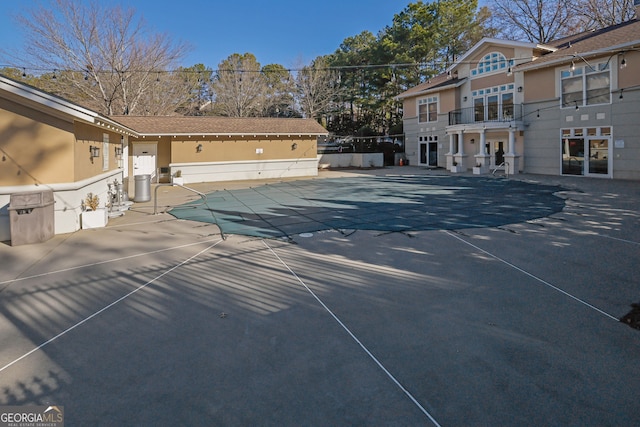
{"points": [[436, 83], [211, 125], [590, 44]]}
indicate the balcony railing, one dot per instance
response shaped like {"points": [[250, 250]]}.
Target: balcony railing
{"points": [[505, 113]]}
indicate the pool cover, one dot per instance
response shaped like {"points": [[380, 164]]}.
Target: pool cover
{"points": [[383, 203]]}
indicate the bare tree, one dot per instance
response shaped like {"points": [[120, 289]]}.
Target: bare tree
{"points": [[598, 14], [317, 88], [538, 21], [239, 86], [106, 57]]}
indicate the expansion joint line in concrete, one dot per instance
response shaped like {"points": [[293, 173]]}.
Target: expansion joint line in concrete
{"points": [[348, 331], [105, 308], [544, 282]]}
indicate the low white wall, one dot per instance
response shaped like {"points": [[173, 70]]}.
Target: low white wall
{"points": [[356, 160], [245, 170], [67, 197]]}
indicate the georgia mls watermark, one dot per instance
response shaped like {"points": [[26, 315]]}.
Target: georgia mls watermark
{"points": [[32, 416]]}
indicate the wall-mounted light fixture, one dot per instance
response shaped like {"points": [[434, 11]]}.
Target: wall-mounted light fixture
{"points": [[623, 63], [464, 99], [199, 148], [294, 145], [94, 151], [473, 141], [519, 88], [118, 152]]}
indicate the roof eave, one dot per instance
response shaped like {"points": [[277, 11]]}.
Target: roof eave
{"points": [[429, 90], [242, 134], [568, 57]]}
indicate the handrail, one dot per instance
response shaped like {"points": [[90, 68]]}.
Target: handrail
{"points": [[506, 169], [155, 195], [484, 114]]}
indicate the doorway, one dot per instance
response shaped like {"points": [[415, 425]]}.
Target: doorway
{"points": [[496, 152], [144, 159], [585, 156], [429, 153]]}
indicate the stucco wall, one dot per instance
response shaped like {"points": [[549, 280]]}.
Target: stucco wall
{"points": [[68, 198], [36, 148], [85, 137], [356, 160]]}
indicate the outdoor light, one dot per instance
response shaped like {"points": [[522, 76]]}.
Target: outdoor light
{"points": [[118, 152], [623, 63], [519, 88], [573, 66], [473, 141], [94, 151], [199, 148], [577, 108], [294, 145]]}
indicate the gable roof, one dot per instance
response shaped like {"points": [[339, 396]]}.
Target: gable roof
{"points": [[500, 42], [157, 125], [435, 84], [44, 101], [590, 44], [214, 125]]}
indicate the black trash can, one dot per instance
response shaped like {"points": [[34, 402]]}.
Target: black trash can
{"points": [[31, 217], [142, 188]]}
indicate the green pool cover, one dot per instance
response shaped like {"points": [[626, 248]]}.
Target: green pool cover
{"points": [[382, 203]]}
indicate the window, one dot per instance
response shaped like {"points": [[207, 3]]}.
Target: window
{"points": [[494, 61], [494, 103], [586, 85], [428, 109], [105, 151], [507, 105], [586, 151]]}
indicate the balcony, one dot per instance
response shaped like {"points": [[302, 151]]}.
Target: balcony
{"points": [[490, 113]]}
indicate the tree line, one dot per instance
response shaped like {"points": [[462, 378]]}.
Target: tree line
{"points": [[105, 58]]}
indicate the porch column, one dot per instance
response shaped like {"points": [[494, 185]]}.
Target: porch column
{"points": [[460, 143], [512, 141], [482, 158], [458, 158], [449, 155], [511, 157]]}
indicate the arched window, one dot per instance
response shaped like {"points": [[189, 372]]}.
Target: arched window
{"points": [[494, 61]]}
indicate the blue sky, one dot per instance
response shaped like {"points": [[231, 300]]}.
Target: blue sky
{"points": [[285, 32]]}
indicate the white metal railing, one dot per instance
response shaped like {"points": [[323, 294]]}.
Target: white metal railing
{"points": [[155, 195], [504, 165]]}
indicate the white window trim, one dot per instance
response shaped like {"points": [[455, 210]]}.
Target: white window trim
{"points": [[585, 70], [426, 101]]}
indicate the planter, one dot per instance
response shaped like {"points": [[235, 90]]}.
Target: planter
{"points": [[177, 180], [457, 169], [480, 170], [94, 219]]}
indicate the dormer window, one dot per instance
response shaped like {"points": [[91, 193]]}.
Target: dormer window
{"points": [[492, 62]]}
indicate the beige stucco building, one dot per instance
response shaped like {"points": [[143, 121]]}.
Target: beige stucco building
{"points": [[49, 143], [571, 107]]}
